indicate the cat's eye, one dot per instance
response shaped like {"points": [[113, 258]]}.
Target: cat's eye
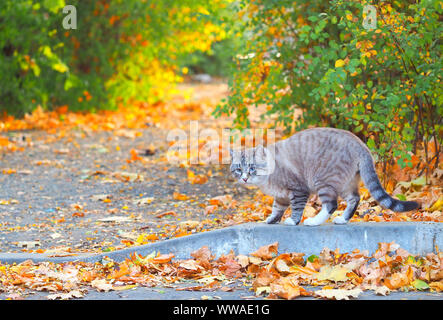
{"points": [[238, 171], [252, 169]]}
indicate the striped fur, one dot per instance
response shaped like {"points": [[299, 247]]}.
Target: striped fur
{"points": [[324, 161], [370, 179]]}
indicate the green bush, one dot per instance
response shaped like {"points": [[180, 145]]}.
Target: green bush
{"points": [[383, 84], [216, 62]]}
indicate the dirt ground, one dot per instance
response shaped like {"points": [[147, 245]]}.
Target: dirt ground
{"points": [[84, 191]]}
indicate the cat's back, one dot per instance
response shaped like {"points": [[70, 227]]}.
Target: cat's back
{"points": [[330, 138], [320, 146]]}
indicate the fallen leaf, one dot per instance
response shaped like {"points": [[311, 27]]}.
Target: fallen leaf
{"points": [[286, 288], [115, 219], [262, 290], [265, 278], [243, 260], [332, 273], [338, 294], [190, 265], [144, 201], [127, 287], [438, 205], [189, 224], [101, 285], [65, 296], [221, 200], [210, 209], [167, 213], [180, 196], [396, 281], [203, 254], [266, 252], [436, 285], [420, 284], [163, 258]]}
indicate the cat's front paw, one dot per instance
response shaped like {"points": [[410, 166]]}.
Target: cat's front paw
{"points": [[340, 220], [311, 222], [272, 220], [289, 222]]}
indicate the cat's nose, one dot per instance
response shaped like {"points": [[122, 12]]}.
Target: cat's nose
{"points": [[245, 179]]}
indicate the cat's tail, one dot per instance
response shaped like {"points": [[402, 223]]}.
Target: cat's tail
{"points": [[370, 179]]}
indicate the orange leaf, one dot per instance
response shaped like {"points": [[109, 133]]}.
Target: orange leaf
{"points": [[265, 278], [286, 288], [180, 196], [397, 280], [203, 254], [164, 258], [210, 209], [167, 213], [266, 252]]}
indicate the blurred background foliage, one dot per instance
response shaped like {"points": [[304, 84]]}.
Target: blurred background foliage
{"points": [[306, 63], [121, 50]]}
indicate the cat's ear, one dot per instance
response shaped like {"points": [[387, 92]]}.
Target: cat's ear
{"points": [[231, 153], [261, 151], [266, 155]]}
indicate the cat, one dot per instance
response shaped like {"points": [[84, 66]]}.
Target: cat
{"points": [[324, 161]]}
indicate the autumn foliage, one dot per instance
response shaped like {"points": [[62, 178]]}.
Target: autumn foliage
{"points": [[266, 272], [121, 50], [382, 83]]}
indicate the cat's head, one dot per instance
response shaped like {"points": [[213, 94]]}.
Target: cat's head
{"points": [[253, 165]]}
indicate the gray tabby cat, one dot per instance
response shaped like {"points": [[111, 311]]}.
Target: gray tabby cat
{"points": [[325, 161]]}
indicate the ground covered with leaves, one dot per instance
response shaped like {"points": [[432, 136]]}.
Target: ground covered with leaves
{"points": [[81, 182], [263, 273]]}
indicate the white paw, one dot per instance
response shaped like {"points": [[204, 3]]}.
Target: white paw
{"points": [[271, 220], [289, 222], [340, 220], [311, 222]]}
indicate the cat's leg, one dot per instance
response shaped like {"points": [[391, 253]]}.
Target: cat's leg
{"points": [[352, 202], [328, 198], [352, 198], [278, 209], [298, 202]]}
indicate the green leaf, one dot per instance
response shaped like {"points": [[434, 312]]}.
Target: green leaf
{"points": [[420, 284], [401, 197], [54, 5], [312, 258], [419, 182], [371, 143]]}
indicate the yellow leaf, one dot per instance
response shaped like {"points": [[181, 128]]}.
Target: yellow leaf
{"points": [[438, 205], [127, 287], [336, 273], [339, 63]]}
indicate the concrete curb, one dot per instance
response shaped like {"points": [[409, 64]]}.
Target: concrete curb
{"points": [[415, 237]]}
